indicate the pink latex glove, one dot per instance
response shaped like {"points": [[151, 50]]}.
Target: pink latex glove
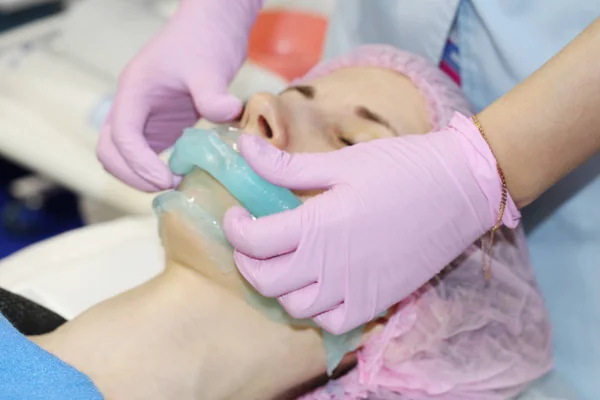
{"points": [[397, 211], [181, 74]]}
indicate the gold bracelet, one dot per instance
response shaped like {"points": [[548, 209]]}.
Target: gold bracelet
{"points": [[487, 264]]}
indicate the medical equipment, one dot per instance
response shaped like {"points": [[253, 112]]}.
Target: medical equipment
{"points": [[214, 151], [50, 107]]}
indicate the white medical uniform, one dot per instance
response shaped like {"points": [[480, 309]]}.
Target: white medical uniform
{"points": [[501, 42]]}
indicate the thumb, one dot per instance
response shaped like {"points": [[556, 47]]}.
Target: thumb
{"points": [[214, 102], [264, 237], [300, 171]]}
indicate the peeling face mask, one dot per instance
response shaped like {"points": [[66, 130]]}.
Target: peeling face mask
{"points": [[217, 178]]}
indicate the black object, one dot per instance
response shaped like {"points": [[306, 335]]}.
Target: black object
{"points": [[10, 171], [15, 19], [28, 317]]}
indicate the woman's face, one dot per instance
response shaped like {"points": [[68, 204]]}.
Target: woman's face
{"points": [[348, 106]]}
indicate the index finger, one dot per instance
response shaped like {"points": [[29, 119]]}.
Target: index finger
{"points": [[130, 116]]}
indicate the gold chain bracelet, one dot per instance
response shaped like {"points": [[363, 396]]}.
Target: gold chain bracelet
{"points": [[487, 262]]}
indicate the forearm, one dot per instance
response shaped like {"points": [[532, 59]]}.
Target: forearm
{"points": [[550, 123]]}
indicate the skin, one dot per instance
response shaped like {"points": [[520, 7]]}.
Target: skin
{"points": [[188, 333], [559, 129]]}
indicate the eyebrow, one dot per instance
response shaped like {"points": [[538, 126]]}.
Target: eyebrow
{"points": [[305, 90], [364, 113]]}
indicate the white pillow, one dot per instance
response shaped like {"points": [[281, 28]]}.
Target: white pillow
{"points": [[76, 270]]}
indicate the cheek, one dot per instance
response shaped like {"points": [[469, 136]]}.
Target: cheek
{"points": [[312, 142], [308, 130]]}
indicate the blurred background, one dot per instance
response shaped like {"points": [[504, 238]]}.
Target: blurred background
{"points": [[59, 64]]}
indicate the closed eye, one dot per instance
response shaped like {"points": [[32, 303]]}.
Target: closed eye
{"points": [[364, 113]]}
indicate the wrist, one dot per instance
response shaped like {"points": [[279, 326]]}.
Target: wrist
{"points": [[524, 182], [487, 171]]}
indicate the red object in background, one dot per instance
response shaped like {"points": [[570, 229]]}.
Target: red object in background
{"points": [[288, 43]]}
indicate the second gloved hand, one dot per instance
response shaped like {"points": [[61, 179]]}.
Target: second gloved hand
{"points": [[180, 75], [395, 213]]}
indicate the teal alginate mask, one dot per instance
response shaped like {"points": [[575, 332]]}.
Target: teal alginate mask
{"points": [[210, 162]]}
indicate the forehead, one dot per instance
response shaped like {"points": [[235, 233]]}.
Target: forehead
{"points": [[354, 78]]}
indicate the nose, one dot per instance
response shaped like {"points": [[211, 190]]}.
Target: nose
{"points": [[263, 117]]}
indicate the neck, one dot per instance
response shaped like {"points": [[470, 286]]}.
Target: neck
{"points": [[180, 336]]}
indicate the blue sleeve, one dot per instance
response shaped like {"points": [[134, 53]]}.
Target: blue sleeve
{"points": [[29, 373]]}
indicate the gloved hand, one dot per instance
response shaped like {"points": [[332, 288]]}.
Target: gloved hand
{"points": [[397, 211], [181, 74]]}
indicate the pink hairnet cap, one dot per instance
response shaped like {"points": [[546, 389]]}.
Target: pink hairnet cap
{"points": [[442, 95]]}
